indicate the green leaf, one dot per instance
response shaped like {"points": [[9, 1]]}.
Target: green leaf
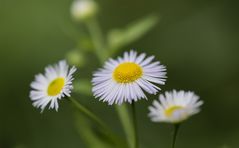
{"points": [[90, 136], [118, 38], [94, 137], [127, 123]]}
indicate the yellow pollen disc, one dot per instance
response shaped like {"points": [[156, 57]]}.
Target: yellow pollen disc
{"points": [[169, 112], [127, 72], [56, 86]]}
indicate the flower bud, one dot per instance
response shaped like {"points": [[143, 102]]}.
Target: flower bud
{"points": [[82, 10]]}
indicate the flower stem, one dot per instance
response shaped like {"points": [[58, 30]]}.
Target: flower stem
{"points": [[136, 142], [88, 113], [97, 39], [126, 122], [176, 128], [106, 130]]}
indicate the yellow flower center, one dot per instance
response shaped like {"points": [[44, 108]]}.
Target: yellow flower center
{"points": [[56, 86], [127, 72], [169, 112]]}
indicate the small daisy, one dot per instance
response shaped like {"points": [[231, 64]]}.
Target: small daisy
{"points": [[53, 85], [127, 78], [175, 107]]}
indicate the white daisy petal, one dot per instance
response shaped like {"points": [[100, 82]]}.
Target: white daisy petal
{"points": [[128, 78], [174, 107], [140, 58], [53, 85], [147, 61]]}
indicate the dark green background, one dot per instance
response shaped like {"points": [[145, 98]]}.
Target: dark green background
{"points": [[197, 40]]}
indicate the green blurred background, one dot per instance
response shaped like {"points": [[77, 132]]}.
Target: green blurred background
{"points": [[197, 40]]}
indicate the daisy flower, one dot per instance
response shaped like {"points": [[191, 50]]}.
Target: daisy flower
{"points": [[126, 78], [175, 107], [55, 84]]}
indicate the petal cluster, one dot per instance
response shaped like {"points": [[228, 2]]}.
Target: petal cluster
{"points": [[175, 107], [54, 84], [127, 78]]}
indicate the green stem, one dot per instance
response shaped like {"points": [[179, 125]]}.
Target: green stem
{"points": [[109, 133], [136, 142], [176, 128], [97, 39], [88, 113], [126, 122]]}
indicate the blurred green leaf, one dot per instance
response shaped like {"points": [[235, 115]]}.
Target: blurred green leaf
{"points": [[118, 38], [90, 135], [82, 86], [127, 123], [95, 137]]}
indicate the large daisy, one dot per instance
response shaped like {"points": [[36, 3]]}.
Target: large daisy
{"points": [[175, 107], [127, 78], [55, 84]]}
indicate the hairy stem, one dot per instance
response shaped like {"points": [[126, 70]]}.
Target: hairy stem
{"points": [[175, 133], [136, 142], [97, 39], [88, 113]]}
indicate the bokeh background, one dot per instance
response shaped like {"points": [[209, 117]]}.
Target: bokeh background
{"points": [[197, 40]]}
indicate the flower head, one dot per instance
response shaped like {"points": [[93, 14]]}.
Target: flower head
{"points": [[55, 84], [175, 107], [83, 9], [127, 78]]}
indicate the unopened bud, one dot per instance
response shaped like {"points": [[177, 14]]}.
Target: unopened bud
{"points": [[82, 10]]}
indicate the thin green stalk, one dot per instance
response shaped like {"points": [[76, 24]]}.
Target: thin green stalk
{"points": [[176, 128], [97, 38], [136, 141], [88, 113], [126, 122], [114, 139]]}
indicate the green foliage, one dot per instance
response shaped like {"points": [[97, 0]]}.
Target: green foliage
{"points": [[119, 38], [95, 137], [90, 135]]}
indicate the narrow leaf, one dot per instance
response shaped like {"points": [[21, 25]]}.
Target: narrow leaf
{"points": [[118, 38]]}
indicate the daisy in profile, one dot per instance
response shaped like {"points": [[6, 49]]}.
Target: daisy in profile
{"points": [[175, 107], [54, 84], [127, 78]]}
